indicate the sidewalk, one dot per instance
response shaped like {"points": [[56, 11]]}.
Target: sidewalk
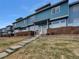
{"points": [[16, 47]]}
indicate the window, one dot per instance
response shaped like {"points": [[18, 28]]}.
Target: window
{"points": [[55, 22], [53, 10], [62, 21], [32, 18], [56, 9]]}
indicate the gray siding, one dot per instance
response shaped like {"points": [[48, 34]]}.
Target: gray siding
{"points": [[74, 16]]}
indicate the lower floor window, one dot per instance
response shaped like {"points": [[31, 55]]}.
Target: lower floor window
{"points": [[55, 22], [63, 20]]}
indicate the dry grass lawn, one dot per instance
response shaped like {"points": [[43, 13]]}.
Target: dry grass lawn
{"points": [[7, 41], [50, 47]]}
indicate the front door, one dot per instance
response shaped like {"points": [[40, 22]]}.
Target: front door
{"points": [[42, 29]]}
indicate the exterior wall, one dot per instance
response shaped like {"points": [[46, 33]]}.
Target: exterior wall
{"points": [[56, 20], [41, 29], [44, 29], [58, 23], [25, 22], [17, 31], [4, 32], [74, 15], [30, 20], [9, 30], [64, 8], [43, 15], [0, 32], [31, 28], [36, 27], [19, 24]]}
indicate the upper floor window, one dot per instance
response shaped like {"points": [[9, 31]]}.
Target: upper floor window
{"points": [[56, 9]]}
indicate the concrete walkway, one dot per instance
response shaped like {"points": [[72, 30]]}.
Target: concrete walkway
{"points": [[14, 48]]}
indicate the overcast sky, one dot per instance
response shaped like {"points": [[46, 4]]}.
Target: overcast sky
{"points": [[12, 9]]}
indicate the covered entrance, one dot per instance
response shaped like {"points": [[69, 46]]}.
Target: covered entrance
{"points": [[42, 27]]}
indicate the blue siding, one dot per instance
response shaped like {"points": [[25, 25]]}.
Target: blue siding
{"points": [[64, 8], [30, 20], [47, 14], [25, 21], [43, 15], [19, 24]]}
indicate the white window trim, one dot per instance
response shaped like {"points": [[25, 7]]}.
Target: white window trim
{"points": [[55, 10], [52, 10], [58, 7]]}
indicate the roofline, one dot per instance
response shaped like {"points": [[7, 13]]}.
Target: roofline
{"points": [[18, 21], [46, 5], [3, 28], [59, 3], [74, 3], [8, 25]]}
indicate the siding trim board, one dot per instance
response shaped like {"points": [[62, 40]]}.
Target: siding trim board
{"points": [[43, 7], [74, 3], [65, 16]]}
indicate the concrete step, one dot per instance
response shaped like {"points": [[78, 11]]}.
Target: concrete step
{"points": [[9, 50], [21, 43], [12, 49], [16, 47], [3, 54]]}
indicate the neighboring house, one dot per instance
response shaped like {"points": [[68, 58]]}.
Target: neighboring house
{"points": [[18, 26], [23, 26], [9, 30], [0, 32], [30, 25], [4, 32], [74, 14]]}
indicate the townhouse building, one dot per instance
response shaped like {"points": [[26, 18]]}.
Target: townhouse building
{"points": [[52, 16], [9, 30], [23, 26], [0, 32], [18, 26], [49, 16], [4, 32], [74, 14], [58, 15]]}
